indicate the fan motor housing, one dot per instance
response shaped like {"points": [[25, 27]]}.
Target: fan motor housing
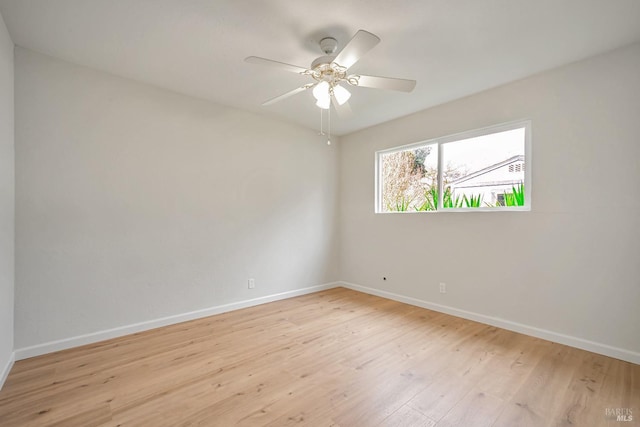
{"points": [[324, 69], [323, 60]]}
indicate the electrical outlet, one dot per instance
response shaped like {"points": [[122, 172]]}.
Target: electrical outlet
{"points": [[443, 288], [252, 283]]}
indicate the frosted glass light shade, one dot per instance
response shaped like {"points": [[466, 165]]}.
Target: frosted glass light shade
{"points": [[342, 95], [321, 94], [321, 91], [324, 103]]}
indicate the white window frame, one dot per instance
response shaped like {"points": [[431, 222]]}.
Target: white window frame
{"points": [[526, 124]]}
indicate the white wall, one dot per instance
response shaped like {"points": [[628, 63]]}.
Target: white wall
{"points": [[6, 201], [572, 264], [135, 203]]}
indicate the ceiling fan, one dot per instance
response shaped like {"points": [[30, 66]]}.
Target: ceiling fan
{"points": [[330, 73]]}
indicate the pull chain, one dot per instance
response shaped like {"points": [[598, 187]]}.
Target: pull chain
{"points": [[329, 127]]}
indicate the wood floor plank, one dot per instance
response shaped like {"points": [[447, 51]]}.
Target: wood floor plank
{"points": [[577, 406], [533, 404], [336, 358], [476, 409], [95, 417], [442, 394], [407, 417]]}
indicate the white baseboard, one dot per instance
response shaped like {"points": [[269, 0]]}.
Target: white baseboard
{"points": [[49, 347], [5, 370], [604, 349]]}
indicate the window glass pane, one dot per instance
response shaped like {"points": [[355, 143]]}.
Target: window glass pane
{"points": [[485, 171], [407, 177]]}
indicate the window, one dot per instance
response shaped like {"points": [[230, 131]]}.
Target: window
{"points": [[484, 170]]}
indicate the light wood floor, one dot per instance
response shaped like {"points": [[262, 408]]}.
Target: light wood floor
{"points": [[334, 358]]}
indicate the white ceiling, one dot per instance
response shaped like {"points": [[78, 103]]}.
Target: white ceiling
{"points": [[197, 47]]}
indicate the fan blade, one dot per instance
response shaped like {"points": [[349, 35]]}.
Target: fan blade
{"points": [[388, 83], [344, 111], [271, 63], [288, 94], [360, 44]]}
